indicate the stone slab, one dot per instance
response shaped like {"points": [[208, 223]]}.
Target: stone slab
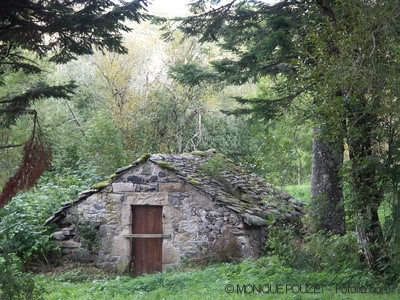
{"points": [[119, 187], [171, 187]]}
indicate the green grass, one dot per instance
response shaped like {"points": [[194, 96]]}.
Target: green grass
{"points": [[300, 192], [206, 283]]}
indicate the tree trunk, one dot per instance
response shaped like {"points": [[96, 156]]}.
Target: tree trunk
{"points": [[326, 190], [367, 196]]}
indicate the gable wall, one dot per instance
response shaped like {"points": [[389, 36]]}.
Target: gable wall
{"points": [[191, 219]]}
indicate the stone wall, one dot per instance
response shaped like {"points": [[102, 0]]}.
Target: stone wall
{"points": [[191, 220]]}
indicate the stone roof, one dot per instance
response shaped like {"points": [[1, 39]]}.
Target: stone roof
{"points": [[222, 180]]}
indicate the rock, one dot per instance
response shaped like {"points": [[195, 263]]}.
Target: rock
{"points": [[58, 236], [123, 169], [103, 230], [253, 220], [70, 244], [119, 187], [219, 223], [153, 179], [135, 179], [67, 231]]}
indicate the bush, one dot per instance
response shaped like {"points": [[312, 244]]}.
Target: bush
{"points": [[223, 250], [22, 229], [14, 283], [87, 230], [334, 252], [302, 250]]}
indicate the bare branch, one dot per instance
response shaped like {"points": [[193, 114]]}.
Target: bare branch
{"points": [[10, 146], [75, 118]]}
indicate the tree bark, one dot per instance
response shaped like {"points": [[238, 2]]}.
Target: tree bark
{"points": [[367, 195], [326, 190]]}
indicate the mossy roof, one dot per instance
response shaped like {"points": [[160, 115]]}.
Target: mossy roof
{"points": [[222, 180], [231, 185]]}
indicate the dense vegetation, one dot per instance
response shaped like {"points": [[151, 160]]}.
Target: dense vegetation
{"points": [[255, 95]]}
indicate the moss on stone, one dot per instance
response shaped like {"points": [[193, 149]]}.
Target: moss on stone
{"points": [[200, 153], [113, 176], [141, 159], [145, 157], [101, 184], [194, 181], [165, 165], [246, 198], [211, 151]]}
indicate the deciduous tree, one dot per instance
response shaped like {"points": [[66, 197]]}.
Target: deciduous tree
{"points": [[60, 31]]}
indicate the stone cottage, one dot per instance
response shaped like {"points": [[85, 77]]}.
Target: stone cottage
{"points": [[163, 209]]}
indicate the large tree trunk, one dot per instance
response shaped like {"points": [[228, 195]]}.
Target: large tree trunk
{"points": [[367, 196], [326, 190]]}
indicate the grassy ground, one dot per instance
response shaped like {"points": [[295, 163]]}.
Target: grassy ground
{"points": [[266, 278], [224, 281]]}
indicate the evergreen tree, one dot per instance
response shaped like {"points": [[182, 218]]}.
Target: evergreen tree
{"points": [[264, 40], [343, 56], [58, 31]]}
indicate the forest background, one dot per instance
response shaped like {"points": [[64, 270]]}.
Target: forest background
{"points": [[125, 105]]}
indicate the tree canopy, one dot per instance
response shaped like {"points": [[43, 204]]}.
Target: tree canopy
{"points": [[340, 58], [57, 31]]}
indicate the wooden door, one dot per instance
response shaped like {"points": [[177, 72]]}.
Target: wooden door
{"points": [[147, 240]]}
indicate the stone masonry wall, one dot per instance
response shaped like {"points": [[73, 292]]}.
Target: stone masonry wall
{"points": [[191, 220]]}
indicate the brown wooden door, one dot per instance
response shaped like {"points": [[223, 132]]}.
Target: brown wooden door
{"points": [[146, 251]]}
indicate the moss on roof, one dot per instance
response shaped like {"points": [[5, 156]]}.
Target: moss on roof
{"points": [[230, 184], [222, 180]]}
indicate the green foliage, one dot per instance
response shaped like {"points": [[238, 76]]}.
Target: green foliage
{"points": [[88, 232], [216, 164], [299, 192], [337, 57], [14, 283], [82, 274], [334, 252], [104, 23], [283, 155], [316, 252], [84, 26], [210, 282], [21, 226], [285, 243], [100, 185], [103, 143], [22, 229], [230, 135], [194, 182], [191, 74]]}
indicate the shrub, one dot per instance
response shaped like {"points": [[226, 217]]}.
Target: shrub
{"points": [[333, 252], [223, 250], [14, 283], [310, 251], [89, 235], [87, 230], [22, 229]]}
